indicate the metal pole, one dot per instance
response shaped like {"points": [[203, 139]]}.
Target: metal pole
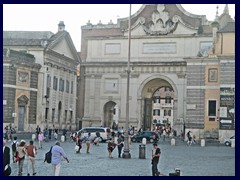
{"points": [[126, 153]]}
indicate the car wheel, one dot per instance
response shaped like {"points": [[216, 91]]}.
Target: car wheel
{"points": [[227, 143], [133, 140], [151, 140]]}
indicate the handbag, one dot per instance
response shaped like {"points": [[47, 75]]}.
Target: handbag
{"points": [[8, 171], [17, 157], [76, 148]]}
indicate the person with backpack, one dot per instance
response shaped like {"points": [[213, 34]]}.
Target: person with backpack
{"points": [[31, 153], [14, 148], [57, 154], [21, 149]]}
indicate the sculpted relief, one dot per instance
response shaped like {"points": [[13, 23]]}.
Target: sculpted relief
{"points": [[160, 23]]}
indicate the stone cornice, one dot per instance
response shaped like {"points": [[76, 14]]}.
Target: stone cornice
{"points": [[54, 55], [22, 63], [124, 64]]}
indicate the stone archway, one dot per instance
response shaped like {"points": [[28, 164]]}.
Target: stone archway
{"points": [[108, 113], [149, 87]]}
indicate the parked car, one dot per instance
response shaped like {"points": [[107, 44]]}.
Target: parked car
{"points": [[104, 132], [228, 141], [149, 135]]}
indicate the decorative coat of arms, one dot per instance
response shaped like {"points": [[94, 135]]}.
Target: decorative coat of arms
{"points": [[160, 23]]}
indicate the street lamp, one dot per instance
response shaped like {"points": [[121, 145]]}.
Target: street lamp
{"points": [[126, 153]]}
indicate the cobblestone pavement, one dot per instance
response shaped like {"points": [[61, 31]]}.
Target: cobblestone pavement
{"points": [[211, 160]]}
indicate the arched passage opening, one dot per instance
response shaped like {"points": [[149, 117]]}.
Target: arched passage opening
{"points": [[158, 103], [108, 114]]}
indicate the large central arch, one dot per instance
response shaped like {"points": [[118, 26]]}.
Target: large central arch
{"points": [[148, 87]]}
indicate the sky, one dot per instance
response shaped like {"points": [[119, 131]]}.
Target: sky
{"points": [[45, 17]]}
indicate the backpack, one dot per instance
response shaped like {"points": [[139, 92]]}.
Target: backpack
{"points": [[14, 146], [48, 156]]}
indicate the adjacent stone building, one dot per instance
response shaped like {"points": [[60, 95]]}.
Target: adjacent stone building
{"points": [[57, 78], [20, 87], [210, 101], [169, 49]]}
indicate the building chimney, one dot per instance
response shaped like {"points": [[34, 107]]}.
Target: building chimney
{"points": [[61, 26]]}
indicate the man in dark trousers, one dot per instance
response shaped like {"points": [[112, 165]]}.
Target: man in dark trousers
{"points": [[38, 130], [6, 159], [155, 159]]}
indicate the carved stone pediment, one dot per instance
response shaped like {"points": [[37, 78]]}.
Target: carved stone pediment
{"points": [[161, 23]]}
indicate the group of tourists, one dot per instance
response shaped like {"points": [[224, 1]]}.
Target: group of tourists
{"points": [[20, 151]]}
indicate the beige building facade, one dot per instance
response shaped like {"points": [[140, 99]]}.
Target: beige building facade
{"points": [[170, 48], [161, 37], [57, 78]]}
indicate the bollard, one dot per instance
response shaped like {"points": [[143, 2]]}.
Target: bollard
{"points": [[144, 141], [172, 142], [232, 143], [62, 138], [33, 137], [177, 171], [142, 152], [202, 142]]}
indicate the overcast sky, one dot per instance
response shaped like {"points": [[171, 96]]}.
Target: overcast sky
{"points": [[40, 17]]}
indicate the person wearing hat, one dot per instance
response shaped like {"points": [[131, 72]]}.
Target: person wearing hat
{"points": [[57, 154], [156, 152]]}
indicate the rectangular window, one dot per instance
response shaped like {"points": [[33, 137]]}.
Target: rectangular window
{"points": [[168, 100], [212, 107], [169, 112], [205, 47], [48, 80], [53, 114], [65, 118], [63, 85], [71, 87], [71, 116], [60, 84], [156, 112], [67, 86], [55, 83], [46, 114], [165, 112]]}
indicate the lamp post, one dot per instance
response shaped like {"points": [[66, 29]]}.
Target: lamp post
{"points": [[126, 153]]}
